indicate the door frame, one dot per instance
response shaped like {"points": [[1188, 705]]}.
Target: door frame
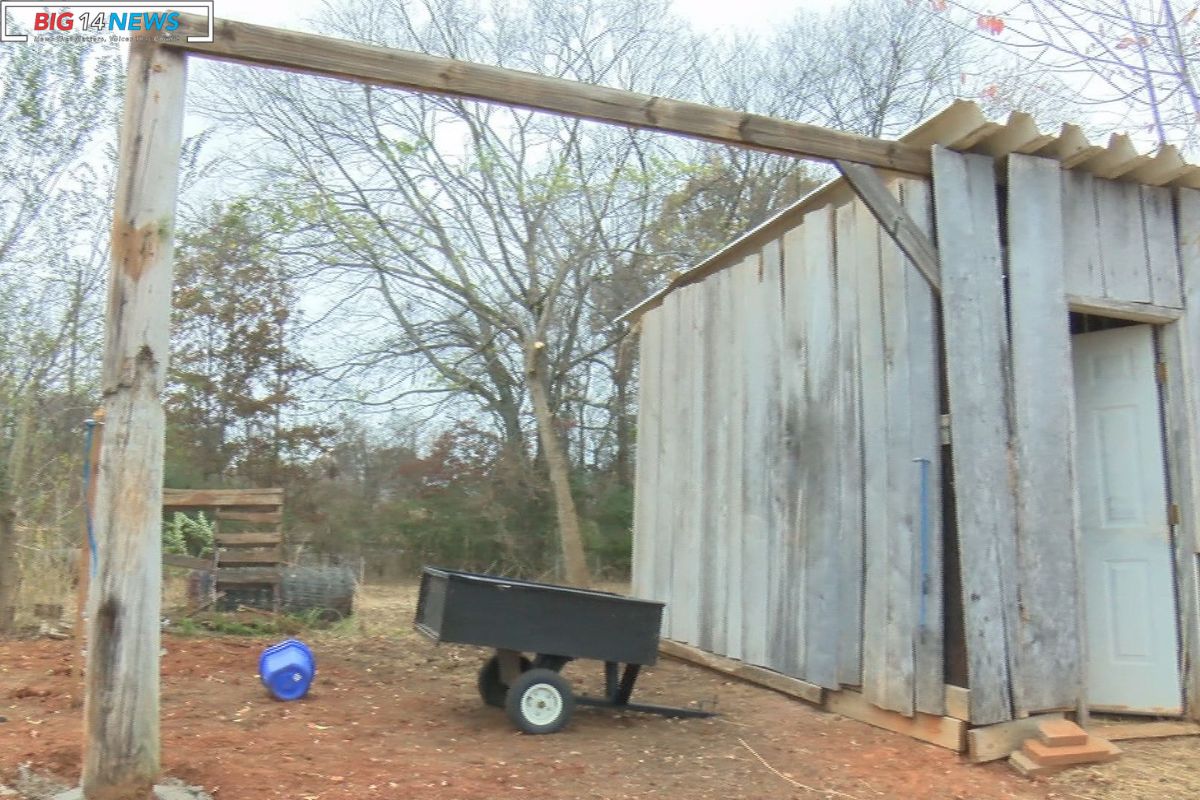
{"points": [[1180, 401]]}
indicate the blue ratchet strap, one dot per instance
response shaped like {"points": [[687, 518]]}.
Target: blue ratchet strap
{"points": [[87, 479]]}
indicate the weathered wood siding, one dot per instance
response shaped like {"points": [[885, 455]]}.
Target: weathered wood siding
{"points": [[1122, 241], [792, 447], [688, 422], [976, 348], [926, 385], [1181, 354], [817, 350], [1048, 660], [649, 433], [851, 251], [670, 461], [812, 313]]}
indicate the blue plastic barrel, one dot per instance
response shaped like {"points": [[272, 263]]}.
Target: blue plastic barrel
{"points": [[287, 669]]}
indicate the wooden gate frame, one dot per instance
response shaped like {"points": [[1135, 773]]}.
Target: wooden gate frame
{"points": [[121, 741]]}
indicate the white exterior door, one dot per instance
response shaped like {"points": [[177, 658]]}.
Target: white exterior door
{"points": [[1129, 594]]}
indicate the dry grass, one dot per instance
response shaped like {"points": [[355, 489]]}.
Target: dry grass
{"points": [[47, 572], [1154, 769]]}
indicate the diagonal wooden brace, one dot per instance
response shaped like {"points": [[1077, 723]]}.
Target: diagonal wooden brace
{"points": [[912, 241]]}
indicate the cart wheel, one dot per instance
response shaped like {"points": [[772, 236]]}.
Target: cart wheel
{"points": [[491, 688], [540, 701]]}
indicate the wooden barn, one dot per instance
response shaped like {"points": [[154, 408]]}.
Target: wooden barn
{"points": [[940, 473]]}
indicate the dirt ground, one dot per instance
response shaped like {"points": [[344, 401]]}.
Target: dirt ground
{"points": [[392, 716]]}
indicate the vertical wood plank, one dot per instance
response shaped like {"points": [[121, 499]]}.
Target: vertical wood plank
{"points": [[976, 347], [1084, 268], [1162, 254], [1122, 241], [646, 495], [849, 260], [700, 540], [924, 359], [876, 521], [793, 355], [775, 449], [719, 420], [741, 279], [1048, 657], [668, 463], [121, 750], [1181, 351], [818, 504], [685, 410], [890, 683], [756, 355]]}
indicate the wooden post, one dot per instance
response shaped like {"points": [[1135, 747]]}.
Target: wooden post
{"points": [[121, 714]]}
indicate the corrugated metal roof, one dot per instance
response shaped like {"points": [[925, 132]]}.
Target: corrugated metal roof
{"points": [[964, 127]]}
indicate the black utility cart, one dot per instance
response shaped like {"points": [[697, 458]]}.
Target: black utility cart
{"points": [[554, 624]]}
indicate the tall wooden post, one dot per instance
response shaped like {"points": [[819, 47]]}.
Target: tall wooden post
{"points": [[121, 741]]}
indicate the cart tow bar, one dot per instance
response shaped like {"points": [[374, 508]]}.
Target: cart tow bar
{"points": [[618, 694]]}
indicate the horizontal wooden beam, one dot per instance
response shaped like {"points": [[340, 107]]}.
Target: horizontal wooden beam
{"points": [[241, 557], [259, 517], [248, 575], [946, 732], [381, 66], [215, 498], [1150, 729], [1123, 309], [248, 539], [761, 676], [942, 731], [186, 562]]}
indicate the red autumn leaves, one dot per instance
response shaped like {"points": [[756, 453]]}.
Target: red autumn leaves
{"points": [[990, 23]]}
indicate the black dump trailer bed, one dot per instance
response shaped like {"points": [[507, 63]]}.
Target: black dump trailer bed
{"points": [[553, 624]]}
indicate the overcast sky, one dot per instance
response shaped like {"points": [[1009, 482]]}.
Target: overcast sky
{"points": [[708, 15]]}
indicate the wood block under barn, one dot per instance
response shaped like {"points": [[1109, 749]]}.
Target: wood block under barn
{"points": [[1061, 733], [1095, 751], [993, 742]]}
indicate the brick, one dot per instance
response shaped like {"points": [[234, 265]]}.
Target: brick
{"points": [[1030, 768], [1094, 752], [1061, 733]]}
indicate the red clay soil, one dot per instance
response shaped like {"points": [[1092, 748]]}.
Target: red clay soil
{"points": [[395, 717], [392, 716]]}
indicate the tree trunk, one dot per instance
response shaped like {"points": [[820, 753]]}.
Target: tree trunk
{"points": [[569, 533], [8, 563], [623, 420], [12, 478], [121, 748]]}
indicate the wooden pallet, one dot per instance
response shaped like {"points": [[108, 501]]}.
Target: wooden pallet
{"points": [[248, 534]]}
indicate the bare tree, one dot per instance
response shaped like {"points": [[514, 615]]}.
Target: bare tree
{"points": [[876, 67], [473, 242], [1132, 59], [55, 108]]}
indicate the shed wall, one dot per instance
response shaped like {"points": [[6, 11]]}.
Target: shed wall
{"points": [[790, 467], [780, 508]]}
